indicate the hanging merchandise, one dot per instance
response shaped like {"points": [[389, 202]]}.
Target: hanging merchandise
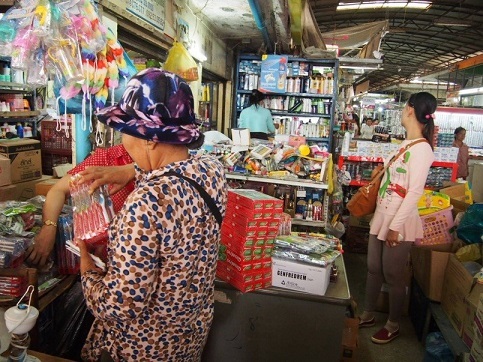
{"points": [[180, 62], [69, 39]]}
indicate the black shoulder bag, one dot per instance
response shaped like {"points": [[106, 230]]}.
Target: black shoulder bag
{"points": [[208, 199]]}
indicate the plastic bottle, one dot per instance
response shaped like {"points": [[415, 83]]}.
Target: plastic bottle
{"points": [[346, 142], [20, 130]]}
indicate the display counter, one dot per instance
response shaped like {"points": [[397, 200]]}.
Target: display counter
{"points": [[277, 324]]}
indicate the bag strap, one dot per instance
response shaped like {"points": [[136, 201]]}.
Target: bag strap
{"points": [[395, 157], [208, 199]]}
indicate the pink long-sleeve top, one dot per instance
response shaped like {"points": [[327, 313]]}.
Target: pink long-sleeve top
{"points": [[401, 187]]}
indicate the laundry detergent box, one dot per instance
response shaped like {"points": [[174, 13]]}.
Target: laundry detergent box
{"points": [[25, 159]]}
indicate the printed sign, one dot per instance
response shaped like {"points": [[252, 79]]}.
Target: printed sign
{"points": [[273, 73], [151, 11]]}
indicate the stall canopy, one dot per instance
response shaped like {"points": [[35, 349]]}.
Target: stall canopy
{"points": [[366, 38]]}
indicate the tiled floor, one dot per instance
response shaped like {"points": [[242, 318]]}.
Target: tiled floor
{"points": [[404, 348]]}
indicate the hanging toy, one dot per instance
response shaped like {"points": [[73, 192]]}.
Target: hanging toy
{"points": [[64, 57], [42, 18], [24, 44]]}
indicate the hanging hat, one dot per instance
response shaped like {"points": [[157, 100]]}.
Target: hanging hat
{"points": [[157, 106]]}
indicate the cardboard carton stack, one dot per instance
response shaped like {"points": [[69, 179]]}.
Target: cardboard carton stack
{"points": [[250, 226], [20, 168]]}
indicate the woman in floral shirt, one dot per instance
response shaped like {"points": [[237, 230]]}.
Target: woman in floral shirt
{"points": [[155, 301]]}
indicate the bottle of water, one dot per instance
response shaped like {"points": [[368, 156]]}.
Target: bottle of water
{"points": [[346, 143]]}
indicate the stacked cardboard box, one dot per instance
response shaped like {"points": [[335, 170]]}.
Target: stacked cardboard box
{"points": [[247, 234]]}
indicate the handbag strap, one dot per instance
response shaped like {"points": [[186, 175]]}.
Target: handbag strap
{"points": [[208, 199], [396, 156]]}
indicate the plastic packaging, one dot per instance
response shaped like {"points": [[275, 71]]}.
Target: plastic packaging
{"points": [[92, 213], [470, 229], [180, 62]]}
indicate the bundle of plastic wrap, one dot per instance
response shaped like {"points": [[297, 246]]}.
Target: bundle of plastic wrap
{"points": [[319, 250], [92, 212]]}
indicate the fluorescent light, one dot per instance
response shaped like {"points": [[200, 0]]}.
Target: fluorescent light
{"points": [[471, 91], [361, 5], [448, 23], [358, 67]]}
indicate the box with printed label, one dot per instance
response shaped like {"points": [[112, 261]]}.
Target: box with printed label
{"points": [[252, 199], [7, 192], [25, 159], [458, 289], [300, 277], [5, 174], [429, 265]]}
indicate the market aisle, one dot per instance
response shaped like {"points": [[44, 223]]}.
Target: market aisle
{"points": [[405, 348]]}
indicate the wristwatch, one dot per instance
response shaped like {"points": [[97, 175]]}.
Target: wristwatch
{"points": [[50, 223]]}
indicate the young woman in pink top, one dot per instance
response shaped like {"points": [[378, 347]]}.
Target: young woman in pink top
{"points": [[396, 223]]}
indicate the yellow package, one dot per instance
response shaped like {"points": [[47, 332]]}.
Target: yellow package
{"points": [[469, 253], [432, 201], [468, 193]]}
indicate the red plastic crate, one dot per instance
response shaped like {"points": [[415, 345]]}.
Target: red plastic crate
{"points": [[437, 227], [54, 138]]}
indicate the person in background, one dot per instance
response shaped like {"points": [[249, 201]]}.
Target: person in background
{"points": [[463, 153], [257, 118], [155, 300], [396, 223], [111, 166], [367, 129]]}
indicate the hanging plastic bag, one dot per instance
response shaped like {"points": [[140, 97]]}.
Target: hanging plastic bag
{"points": [[180, 62], [470, 229]]}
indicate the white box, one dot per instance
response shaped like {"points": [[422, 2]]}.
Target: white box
{"points": [[300, 277]]}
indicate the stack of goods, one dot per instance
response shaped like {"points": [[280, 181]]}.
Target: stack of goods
{"points": [[17, 225], [67, 262], [12, 250], [247, 235], [303, 262], [12, 287]]}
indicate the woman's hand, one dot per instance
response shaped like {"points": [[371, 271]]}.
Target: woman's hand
{"points": [[392, 238], [86, 261], [38, 253], [117, 176]]}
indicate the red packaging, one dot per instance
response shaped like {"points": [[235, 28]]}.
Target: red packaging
{"points": [[245, 282], [230, 237], [253, 199]]}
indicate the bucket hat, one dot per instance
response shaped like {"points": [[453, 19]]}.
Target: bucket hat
{"points": [[157, 106]]}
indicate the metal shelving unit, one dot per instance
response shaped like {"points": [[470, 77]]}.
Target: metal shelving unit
{"points": [[332, 98], [289, 182]]}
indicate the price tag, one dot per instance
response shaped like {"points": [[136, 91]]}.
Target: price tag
{"points": [[301, 193]]}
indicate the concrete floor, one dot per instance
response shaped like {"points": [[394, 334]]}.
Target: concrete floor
{"points": [[404, 348]]}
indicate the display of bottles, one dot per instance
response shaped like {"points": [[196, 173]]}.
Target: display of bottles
{"points": [[248, 81], [317, 84]]}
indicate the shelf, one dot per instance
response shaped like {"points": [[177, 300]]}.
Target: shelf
{"points": [[291, 94], [318, 139], [10, 86], [303, 222], [297, 114], [358, 183], [302, 183], [363, 159], [305, 95], [19, 114]]}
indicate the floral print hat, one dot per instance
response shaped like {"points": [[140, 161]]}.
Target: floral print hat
{"points": [[157, 106]]}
